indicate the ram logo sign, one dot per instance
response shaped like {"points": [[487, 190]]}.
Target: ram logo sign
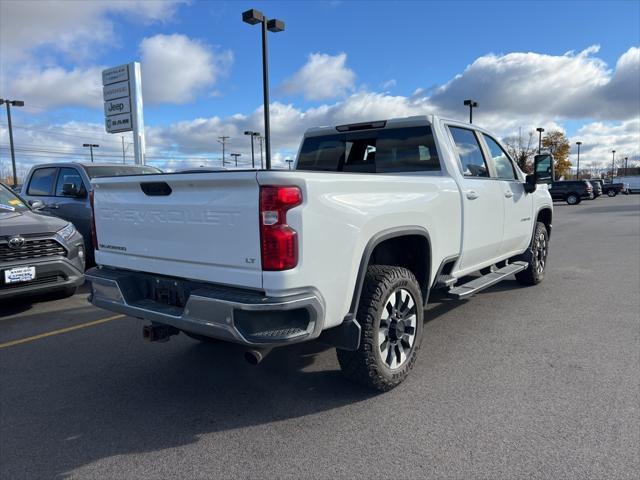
{"points": [[119, 123]]}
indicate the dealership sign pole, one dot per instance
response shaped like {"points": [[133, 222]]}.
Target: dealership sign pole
{"points": [[122, 94]]}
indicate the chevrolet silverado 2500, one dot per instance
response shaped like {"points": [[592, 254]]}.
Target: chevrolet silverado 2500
{"points": [[345, 248]]}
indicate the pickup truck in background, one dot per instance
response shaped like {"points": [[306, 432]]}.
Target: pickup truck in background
{"points": [[613, 189], [62, 190], [345, 248]]}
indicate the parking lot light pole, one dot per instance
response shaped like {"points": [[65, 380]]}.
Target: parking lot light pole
{"points": [[15, 103], [539, 130], [253, 17], [613, 163], [235, 157], [260, 140], [626, 164], [471, 104], [91, 147], [578, 170]]}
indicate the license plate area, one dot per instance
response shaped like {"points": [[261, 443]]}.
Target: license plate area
{"points": [[19, 275]]}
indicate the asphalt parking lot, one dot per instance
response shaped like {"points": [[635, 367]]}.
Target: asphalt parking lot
{"points": [[518, 382]]}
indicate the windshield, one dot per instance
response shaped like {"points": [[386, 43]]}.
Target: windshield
{"points": [[374, 151], [120, 170], [9, 201]]}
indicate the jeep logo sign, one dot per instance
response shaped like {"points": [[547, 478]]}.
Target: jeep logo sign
{"points": [[117, 107]]}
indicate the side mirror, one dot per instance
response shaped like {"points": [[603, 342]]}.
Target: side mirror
{"points": [[36, 204], [543, 169], [542, 172]]}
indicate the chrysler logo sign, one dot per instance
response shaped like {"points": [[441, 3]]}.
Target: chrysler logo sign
{"points": [[16, 242]]}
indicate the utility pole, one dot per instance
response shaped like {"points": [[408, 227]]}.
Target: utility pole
{"points": [[235, 157], [122, 148], [91, 147], [261, 139], [223, 141], [15, 103]]}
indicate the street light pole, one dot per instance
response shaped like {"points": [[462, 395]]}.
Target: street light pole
{"points": [[15, 103], [252, 17], [235, 156], [613, 163], [578, 171], [626, 164], [252, 134], [91, 147], [539, 130], [261, 139], [471, 104]]}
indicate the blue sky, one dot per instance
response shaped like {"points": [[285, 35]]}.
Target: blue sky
{"points": [[372, 58]]}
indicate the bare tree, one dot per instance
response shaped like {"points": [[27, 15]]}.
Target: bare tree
{"points": [[520, 151]]}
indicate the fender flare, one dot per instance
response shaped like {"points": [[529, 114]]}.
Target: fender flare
{"points": [[373, 242]]}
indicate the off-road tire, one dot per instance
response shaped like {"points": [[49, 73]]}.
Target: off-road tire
{"points": [[537, 251], [365, 365]]}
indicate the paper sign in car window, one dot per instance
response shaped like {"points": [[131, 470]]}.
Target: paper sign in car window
{"points": [[15, 201], [7, 207]]}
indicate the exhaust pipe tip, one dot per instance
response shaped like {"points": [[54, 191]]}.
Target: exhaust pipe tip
{"points": [[254, 356]]}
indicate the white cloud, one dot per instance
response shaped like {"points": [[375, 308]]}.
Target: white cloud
{"points": [[57, 87], [72, 27], [176, 68], [388, 84], [560, 87], [599, 138], [322, 77]]}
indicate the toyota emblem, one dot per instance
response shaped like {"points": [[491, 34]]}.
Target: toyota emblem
{"points": [[16, 242]]}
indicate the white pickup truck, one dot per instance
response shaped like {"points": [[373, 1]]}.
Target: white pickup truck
{"points": [[345, 248]]}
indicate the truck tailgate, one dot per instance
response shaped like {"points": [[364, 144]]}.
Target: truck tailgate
{"points": [[201, 226]]}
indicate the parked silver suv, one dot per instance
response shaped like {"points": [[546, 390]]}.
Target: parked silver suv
{"points": [[38, 253]]}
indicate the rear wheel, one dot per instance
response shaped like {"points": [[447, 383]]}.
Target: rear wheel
{"points": [[536, 256], [611, 193], [391, 315], [572, 199]]}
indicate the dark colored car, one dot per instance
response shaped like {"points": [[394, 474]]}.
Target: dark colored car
{"points": [[64, 189], [613, 189], [597, 188], [38, 253], [571, 191]]}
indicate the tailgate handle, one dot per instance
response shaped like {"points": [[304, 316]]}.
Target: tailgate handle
{"points": [[155, 189]]}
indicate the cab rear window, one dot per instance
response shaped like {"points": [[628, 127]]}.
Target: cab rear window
{"points": [[372, 151]]}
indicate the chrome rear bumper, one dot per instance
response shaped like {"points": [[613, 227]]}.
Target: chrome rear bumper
{"points": [[236, 315]]}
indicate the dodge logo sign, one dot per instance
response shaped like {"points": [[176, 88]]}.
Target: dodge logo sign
{"points": [[16, 242]]}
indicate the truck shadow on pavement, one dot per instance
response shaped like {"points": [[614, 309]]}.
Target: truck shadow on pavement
{"points": [[83, 404]]}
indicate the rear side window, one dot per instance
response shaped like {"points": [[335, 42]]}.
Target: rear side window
{"points": [[375, 151], [42, 181], [471, 157], [68, 175]]}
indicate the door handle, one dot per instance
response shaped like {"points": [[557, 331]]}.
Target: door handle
{"points": [[508, 194], [472, 194]]}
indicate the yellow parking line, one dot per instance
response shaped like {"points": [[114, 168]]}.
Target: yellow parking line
{"points": [[58, 332]]}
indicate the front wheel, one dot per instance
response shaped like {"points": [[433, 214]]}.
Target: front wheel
{"points": [[391, 315], [611, 193], [536, 256]]}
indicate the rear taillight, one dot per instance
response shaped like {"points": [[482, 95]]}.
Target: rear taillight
{"points": [[94, 236], [278, 241]]}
